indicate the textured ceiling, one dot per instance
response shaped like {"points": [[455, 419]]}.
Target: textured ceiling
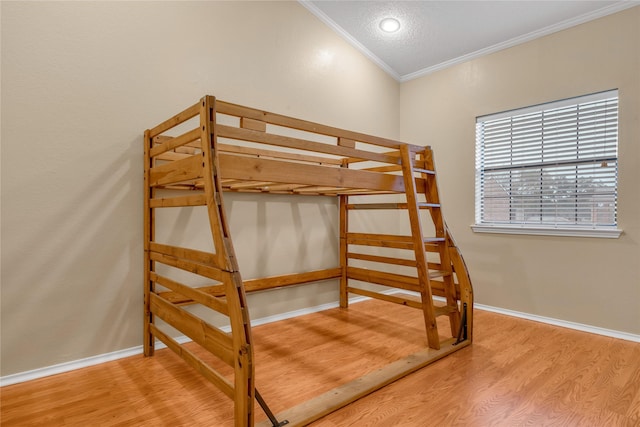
{"points": [[435, 34]]}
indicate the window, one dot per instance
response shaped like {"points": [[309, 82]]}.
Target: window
{"points": [[550, 168]]}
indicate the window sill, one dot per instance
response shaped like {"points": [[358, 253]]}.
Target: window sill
{"points": [[608, 233]]}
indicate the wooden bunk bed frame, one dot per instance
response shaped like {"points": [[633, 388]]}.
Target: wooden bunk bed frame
{"points": [[228, 147]]}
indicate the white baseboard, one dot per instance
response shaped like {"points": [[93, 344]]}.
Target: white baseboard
{"points": [[119, 354], [562, 323], [67, 366], [60, 368]]}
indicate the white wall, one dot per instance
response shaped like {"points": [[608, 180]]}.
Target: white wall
{"points": [[585, 280], [80, 83]]}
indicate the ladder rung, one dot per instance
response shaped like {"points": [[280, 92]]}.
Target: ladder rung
{"points": [[434, 268], [406, 300], [382, 259], [392, 238], [379, 237], [438, 287], [416, 302], [433, 239], [391, 241], [394, 280], [438, 273], [427, 171], [444, 310], [383, 237]]}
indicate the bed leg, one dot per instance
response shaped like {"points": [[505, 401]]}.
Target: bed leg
{"points": [[344, 280]]}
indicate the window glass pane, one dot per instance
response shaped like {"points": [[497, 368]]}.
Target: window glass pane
{"points": [[552, 165]]}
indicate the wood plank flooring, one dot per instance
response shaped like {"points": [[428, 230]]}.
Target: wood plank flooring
{"points": [[516, 373]]}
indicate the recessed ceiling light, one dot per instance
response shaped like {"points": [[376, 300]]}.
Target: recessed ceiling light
{"points": [[389, 25]]}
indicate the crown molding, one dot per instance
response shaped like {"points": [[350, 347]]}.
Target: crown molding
{"points": [[581, 19], [563, 25]]}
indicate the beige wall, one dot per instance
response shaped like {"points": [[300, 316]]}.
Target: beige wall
{"points": [[585, 280], [80, 83]]}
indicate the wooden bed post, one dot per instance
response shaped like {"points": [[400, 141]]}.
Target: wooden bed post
{"points": [[344, 261], [149, 223], [344, 230], [244, 371]]}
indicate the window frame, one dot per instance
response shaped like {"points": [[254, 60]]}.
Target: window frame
{"points": [[522, 226]]}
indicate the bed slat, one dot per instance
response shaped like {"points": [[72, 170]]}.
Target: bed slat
{"points": [[189, 294], [213, 339], [172, 202], [193, 267], [195, 362], [181, 117], [177, 171], [173, 143], [194, 255]]}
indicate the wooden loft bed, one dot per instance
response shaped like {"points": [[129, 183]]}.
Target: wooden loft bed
{"points": [[192, 158]]}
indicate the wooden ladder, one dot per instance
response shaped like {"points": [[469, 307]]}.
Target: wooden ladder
{"points": [[433, 277]]}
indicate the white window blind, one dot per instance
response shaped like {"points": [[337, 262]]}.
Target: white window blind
{"points": [[551, 166]]}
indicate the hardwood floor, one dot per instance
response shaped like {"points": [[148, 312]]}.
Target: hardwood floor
{"points": [[516, 373]]}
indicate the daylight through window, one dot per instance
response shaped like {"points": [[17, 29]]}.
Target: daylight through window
{"points": [[551, 166]]}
